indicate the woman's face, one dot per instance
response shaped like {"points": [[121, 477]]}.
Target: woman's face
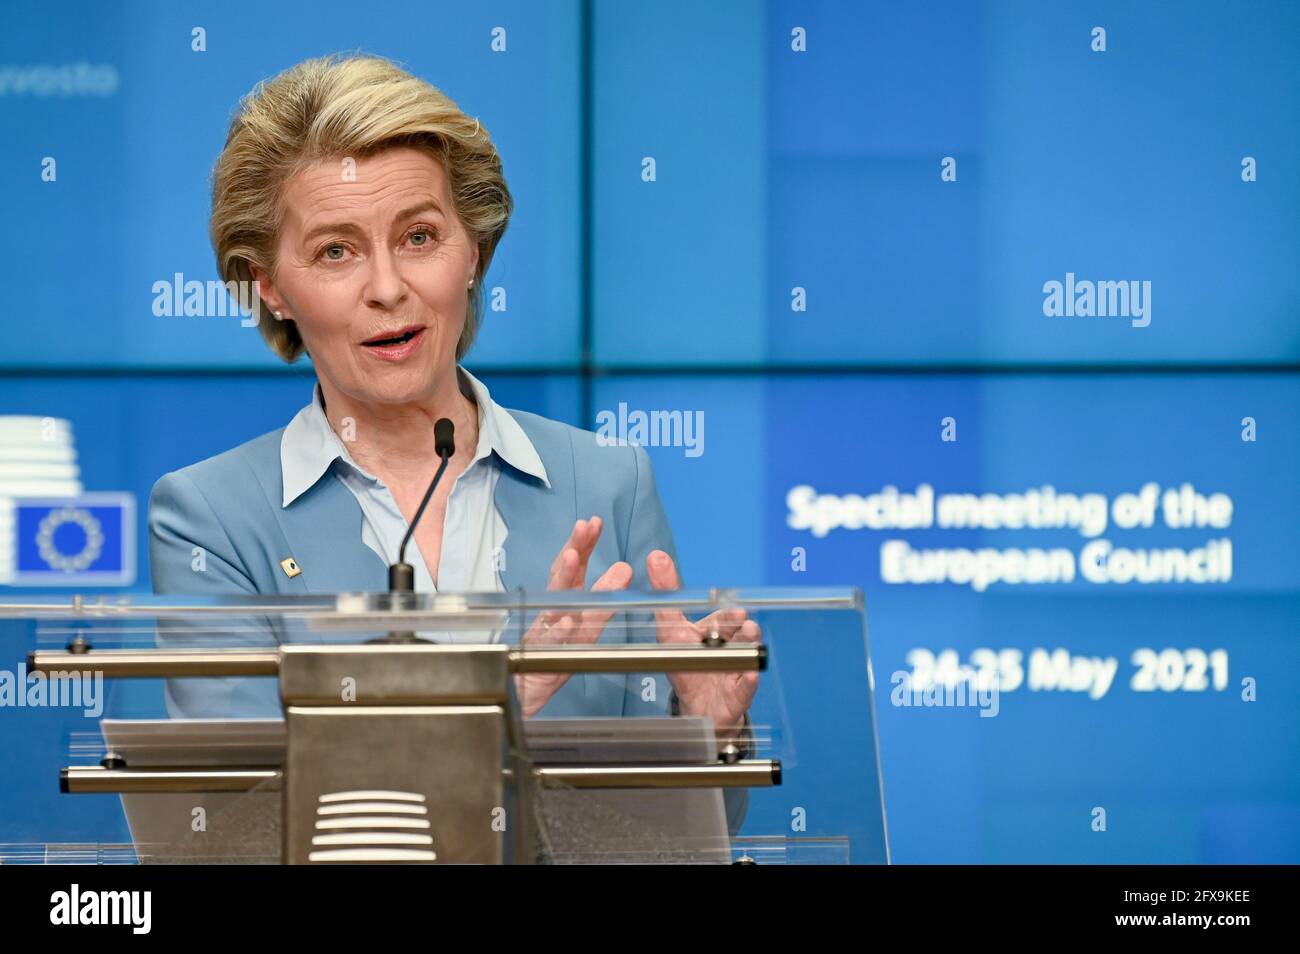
{"points": [[374, 267]]}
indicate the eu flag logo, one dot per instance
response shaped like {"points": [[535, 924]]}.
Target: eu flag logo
{"points": [[71, 541]]}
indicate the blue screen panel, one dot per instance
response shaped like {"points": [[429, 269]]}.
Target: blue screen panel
{"points": [[1160, 703], [134, 136], [129, 431], [922, 174]]}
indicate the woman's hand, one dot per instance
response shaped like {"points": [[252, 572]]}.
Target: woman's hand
{"points": [[551, 628], [724, 697]]}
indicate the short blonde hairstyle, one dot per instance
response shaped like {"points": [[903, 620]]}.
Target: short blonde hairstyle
{"points": [[330, 108]]}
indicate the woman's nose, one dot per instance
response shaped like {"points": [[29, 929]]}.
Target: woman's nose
{"points": [[385, 287]]}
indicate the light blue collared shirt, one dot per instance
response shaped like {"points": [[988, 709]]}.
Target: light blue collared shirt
{"points": [[473, 534]]}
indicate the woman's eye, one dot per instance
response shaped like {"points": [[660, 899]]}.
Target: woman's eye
{"points": [[329, 251], [421, 238]]}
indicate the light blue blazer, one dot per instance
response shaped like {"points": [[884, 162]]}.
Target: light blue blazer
{"points": [[230, 506]]}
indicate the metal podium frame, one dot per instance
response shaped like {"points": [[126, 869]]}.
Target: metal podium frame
{"points": [[410, 696]]}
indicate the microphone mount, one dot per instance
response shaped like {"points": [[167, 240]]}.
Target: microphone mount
{"points": [[401, 575]]}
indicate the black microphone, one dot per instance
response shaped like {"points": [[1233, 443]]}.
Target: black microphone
{"points": [[401, 575]]}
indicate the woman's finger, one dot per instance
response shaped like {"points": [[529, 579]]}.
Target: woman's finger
{"points": [[576, 537], [617, 577], [539, 631], [749, 632], [662, 573], [563, 570], [727, 623], [585, 547]]}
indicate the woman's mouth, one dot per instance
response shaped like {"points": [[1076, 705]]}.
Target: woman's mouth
{"points": [[396, 345]]}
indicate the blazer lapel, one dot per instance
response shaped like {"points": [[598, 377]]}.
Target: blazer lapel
{"points": [[535, 521], [323, 529], [538, 518]]}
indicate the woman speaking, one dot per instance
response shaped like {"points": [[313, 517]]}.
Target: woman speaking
{"points": [[367, 207]]}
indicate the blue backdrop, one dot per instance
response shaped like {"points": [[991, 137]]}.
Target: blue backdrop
{"points": [[827, 231]]}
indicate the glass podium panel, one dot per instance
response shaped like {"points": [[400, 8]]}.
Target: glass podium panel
{"points": [[705, 726]]}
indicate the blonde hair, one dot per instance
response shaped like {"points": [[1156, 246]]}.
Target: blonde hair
{"points": [[346, 106]]}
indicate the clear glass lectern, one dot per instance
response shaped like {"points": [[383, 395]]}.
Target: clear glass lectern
{"points": [[696, 726]]}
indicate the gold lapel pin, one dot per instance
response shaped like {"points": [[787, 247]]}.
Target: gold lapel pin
{"points": [[290, 567]]}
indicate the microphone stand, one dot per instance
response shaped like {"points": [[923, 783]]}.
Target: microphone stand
{"points": [[401, 575]]}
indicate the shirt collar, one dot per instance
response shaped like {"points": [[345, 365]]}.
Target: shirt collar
{"points": [[309, 446], [499, 431]]}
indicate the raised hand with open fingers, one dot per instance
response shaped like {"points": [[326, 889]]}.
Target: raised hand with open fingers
{"points": [[724, 697], [553, 628]]}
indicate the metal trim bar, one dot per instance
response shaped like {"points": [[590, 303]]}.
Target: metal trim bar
{"points": [[79, 607], [753, 773], [94, 779], [117, 663], [633, 657], [628, 657]]}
